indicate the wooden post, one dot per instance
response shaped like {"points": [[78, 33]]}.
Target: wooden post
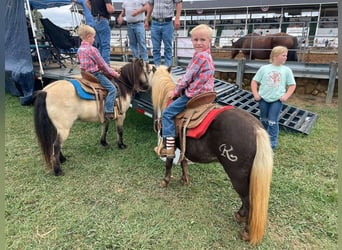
{"points": [[332, 79], [239, 72]]}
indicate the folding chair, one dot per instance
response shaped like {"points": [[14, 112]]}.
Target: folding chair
{"points": [[63, 46]]}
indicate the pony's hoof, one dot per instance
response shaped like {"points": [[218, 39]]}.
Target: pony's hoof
{"points": [[122, 146], [104, 144], [58, 172], [184, 181], [239, 219], [244, 235], [163, 184]]}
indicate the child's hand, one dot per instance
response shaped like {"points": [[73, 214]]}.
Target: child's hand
{"points": [[257, 97], [170, 94], [117, 75]]}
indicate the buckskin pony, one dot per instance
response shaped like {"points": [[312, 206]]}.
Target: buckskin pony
{"points": [[58, 105], [255, 46], [239, 142]]}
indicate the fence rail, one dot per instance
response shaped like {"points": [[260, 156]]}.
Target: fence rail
{"points": [[308, 70]]}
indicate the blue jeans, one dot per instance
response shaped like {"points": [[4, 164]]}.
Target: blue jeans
{"points": [[269, 117], [109, 86], [103, 38], [169, 114], [137, 41], [162, 31]]}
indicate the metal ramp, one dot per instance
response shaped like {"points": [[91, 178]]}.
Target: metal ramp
{"points": [[291, 118]]}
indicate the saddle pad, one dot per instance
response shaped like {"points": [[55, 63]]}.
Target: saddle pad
{"points": [[81, 92], [198, 131]]}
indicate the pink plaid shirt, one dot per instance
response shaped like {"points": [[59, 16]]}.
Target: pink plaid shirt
{"points": [[91, 60], [199, 76]]}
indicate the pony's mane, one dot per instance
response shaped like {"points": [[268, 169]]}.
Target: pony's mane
{"points": [[130, 73], [162, 83]]}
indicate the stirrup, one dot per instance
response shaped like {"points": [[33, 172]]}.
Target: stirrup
{"points": [[158, 148], [168, 153]]}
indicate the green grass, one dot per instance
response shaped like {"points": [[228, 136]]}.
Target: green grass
{"points": [[111, 199]]}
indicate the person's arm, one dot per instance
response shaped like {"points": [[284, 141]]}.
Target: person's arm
{"points": [[121, 16], [192, 74], [178, 13], [149, 9], [98, 59], [88, 3], [110, 8], [141, 10], [254, 88], [289, 92]]}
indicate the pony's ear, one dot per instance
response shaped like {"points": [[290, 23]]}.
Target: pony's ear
{"points": [[154, 69], [141, 62], [169, 69]]}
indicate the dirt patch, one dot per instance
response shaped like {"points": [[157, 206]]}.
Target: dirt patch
{"points": [[310, 100]]}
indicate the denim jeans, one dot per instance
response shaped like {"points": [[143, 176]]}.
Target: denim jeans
{"points": [[269, 117], [137, 41], [169, 114], [162, 31], [103, 38], [109, 86]]}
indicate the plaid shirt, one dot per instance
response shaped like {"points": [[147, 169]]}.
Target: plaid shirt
{"points": [[163, 8], [91, 60], [199, 76]]}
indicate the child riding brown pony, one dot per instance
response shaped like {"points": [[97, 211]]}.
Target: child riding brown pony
{"points": [[239, 142]]}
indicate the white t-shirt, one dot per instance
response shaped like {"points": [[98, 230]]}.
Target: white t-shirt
{"points": [[131, 6]]}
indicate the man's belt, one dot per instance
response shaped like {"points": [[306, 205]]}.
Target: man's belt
{"points": [[162, 20], [135, 22], [100, 16]]}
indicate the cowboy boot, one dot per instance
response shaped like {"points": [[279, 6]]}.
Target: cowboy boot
{"points": [[169, 149]]}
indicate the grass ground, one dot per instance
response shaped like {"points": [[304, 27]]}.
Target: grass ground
{"points": [[110, 198]]}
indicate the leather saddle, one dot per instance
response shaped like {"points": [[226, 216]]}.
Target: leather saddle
{"points": [[91, 85], [196, 110]]}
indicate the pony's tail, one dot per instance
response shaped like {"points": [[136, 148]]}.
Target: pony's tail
{"points": [[259, 188], [45, 130]]}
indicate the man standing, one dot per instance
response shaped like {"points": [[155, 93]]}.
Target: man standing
{"points": [[134, 11], [162, 27], [101, 11]]}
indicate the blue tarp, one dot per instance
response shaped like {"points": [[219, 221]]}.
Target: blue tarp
{"points": [[19, 74], [45, 4]]}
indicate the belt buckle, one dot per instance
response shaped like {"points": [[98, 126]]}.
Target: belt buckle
{"points": [[160, 20]]}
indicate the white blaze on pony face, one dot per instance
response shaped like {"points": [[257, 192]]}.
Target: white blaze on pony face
{"points": [[200, 40], [148, 73]]}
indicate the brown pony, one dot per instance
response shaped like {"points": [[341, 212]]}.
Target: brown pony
{"points": [[255, 46], [239, 142], [58, 106]]}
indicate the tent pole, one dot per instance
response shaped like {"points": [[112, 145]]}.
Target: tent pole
{"points": [[35, 38]]}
